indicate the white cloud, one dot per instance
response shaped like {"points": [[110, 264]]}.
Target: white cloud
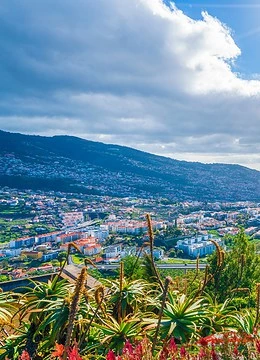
{"points": [[132, 72]]}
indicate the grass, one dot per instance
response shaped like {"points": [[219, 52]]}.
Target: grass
{"points": [[78, 259], [178, 261]]}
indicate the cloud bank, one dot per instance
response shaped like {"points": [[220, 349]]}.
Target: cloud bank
{"points": [[132, 72]]}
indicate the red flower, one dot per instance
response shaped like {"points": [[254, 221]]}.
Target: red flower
{"points": [[172, 346], [111, 355], [257, 345], [210, 339], [163, 355], [203, 341], [59, 350], [202, 354], [139, 349], [214, 355], [25, 356], [235, 351], [73, 354], [128, 348], [183, 351]]}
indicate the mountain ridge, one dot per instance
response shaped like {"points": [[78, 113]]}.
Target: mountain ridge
{"points": [[95, 167]]}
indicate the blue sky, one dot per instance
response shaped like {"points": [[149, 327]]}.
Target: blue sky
{"points": [[180, 80], [243, 18]]}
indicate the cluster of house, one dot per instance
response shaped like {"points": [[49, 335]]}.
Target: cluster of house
{"points": [[41, 247], [47, 247], [133, 227], [225, 221], [72, 218], [18, 273]]}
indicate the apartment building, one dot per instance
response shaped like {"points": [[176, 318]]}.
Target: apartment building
{"points": [[198, 246]]}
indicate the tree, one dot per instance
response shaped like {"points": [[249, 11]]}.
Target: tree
{"points": [[62, 257], [172, 253], [132, 267], [240, 269]]}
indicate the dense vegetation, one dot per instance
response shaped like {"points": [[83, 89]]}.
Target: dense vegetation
{"points": [[16, 222], [201, 315]]}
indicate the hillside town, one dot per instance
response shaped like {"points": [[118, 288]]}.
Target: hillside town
{"points": [[73, 165], [36, 228]]}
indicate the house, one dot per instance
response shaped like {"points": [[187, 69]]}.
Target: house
{"points": [[32, 254], [92, 249], [50, 255], [113, 251], [50, 237], [116, 252], [158, 253], [70, 237], [22, 242], [72, 218], [46, 267], [12, 252]]}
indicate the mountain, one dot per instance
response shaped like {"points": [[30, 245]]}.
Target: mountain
{"points": [[71, 164]]}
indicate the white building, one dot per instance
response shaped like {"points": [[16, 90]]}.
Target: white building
{"points": [[158, 253], [12, 252], [72, 218], [133, 227], [199, 246], [113, 251], [100, 233], [92, 249]]}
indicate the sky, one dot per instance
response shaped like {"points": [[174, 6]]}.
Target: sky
{"points": [[176, 79]]}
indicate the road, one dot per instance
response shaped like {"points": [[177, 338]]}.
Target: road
{"points": [[159, 266], [81, 225]]}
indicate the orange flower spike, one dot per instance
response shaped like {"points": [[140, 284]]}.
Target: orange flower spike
{"points": [[59, 350]]}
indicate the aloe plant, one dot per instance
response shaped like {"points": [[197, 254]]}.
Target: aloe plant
{"points": [[131, 294], [8, 307], [183, 317], [245, 322], [113, 334]]}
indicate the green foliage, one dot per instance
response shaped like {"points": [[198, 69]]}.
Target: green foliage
{"points": [[4, 278], [149, 273], [240, 269], [172, 253], [245, 322], [168, 237], [220, 316], [127, 296], [183, 316], [8, 307], [194, 305], [115, 333], [133, 267], [172, 231]]}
